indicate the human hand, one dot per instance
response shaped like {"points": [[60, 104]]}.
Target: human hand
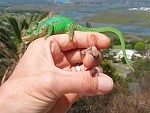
{"points": [[45, 79]]}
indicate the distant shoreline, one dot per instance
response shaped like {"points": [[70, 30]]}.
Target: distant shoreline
{"points": [[128, 19]]}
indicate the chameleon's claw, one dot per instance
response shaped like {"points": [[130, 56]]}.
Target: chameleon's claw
{"points": [[70, 36], [45, 37]]}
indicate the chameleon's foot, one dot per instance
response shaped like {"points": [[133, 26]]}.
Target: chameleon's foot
{"points": [[45, 37], [70, 36], [70, 31]]}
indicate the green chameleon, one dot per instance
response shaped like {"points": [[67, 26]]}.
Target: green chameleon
{"points": [[58, 24]]}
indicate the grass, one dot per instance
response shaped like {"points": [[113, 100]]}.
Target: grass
{"points": [[132, 39], [43, 7], [29, 7], [116, 46], [121, 16], [147, 46]]}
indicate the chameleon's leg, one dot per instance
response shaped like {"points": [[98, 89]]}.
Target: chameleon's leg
{"points": [[49, 31], [70, 31]]}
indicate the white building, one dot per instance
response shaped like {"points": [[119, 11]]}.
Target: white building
{"points": [[130, 54]]}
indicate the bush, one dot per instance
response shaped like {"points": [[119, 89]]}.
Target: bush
{"points": [[109, 70], [118, 101], [139, 46], [138, 102], [123, 60], [140, 67], [129, 46]]}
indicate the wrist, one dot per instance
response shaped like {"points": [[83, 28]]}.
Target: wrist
{"points": [[7, 100], [4, 106]]}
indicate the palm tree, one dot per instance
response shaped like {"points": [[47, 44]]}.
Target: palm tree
{"points": [[11, 45]]}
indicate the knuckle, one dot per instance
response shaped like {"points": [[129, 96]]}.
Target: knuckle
{"points": [[89, 84], [92, 38]]}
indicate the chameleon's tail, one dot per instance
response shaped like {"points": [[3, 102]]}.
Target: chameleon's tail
{"points": [[112, 30]]}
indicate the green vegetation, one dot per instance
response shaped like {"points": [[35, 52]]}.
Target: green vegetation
{"points": [[29, 7], [38, 7], [139, 46], [141, 66], [121, 16], [131, 40], [109, 70], [11, 46], [10, 37]]}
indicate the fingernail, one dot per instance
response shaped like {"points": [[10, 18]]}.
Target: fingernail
{"points": [[105, 83]]}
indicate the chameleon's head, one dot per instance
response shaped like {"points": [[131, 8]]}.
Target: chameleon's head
{"points": [[31, 33]]}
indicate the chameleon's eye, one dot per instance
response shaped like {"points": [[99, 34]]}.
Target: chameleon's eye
{"points": [[27, 32]]}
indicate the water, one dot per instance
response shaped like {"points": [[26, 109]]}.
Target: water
{"points": [[78, 15], [127, 28]]}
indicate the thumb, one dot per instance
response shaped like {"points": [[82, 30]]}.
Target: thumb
{"points": [[81, 83]]}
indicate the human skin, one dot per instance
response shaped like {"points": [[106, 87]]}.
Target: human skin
{"points": [[45, 79]]}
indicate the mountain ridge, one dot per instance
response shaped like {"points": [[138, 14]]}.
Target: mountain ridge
{"points": [[24, 1], [73, 1]]}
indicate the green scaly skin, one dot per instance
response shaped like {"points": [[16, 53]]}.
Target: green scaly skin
{"points": [[58, 24]]}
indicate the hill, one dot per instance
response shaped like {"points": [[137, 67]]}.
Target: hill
{"points": [[73, 1], [24, 1]]}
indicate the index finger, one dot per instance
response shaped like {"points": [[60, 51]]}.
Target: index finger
{"points": [[82, 40]]}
